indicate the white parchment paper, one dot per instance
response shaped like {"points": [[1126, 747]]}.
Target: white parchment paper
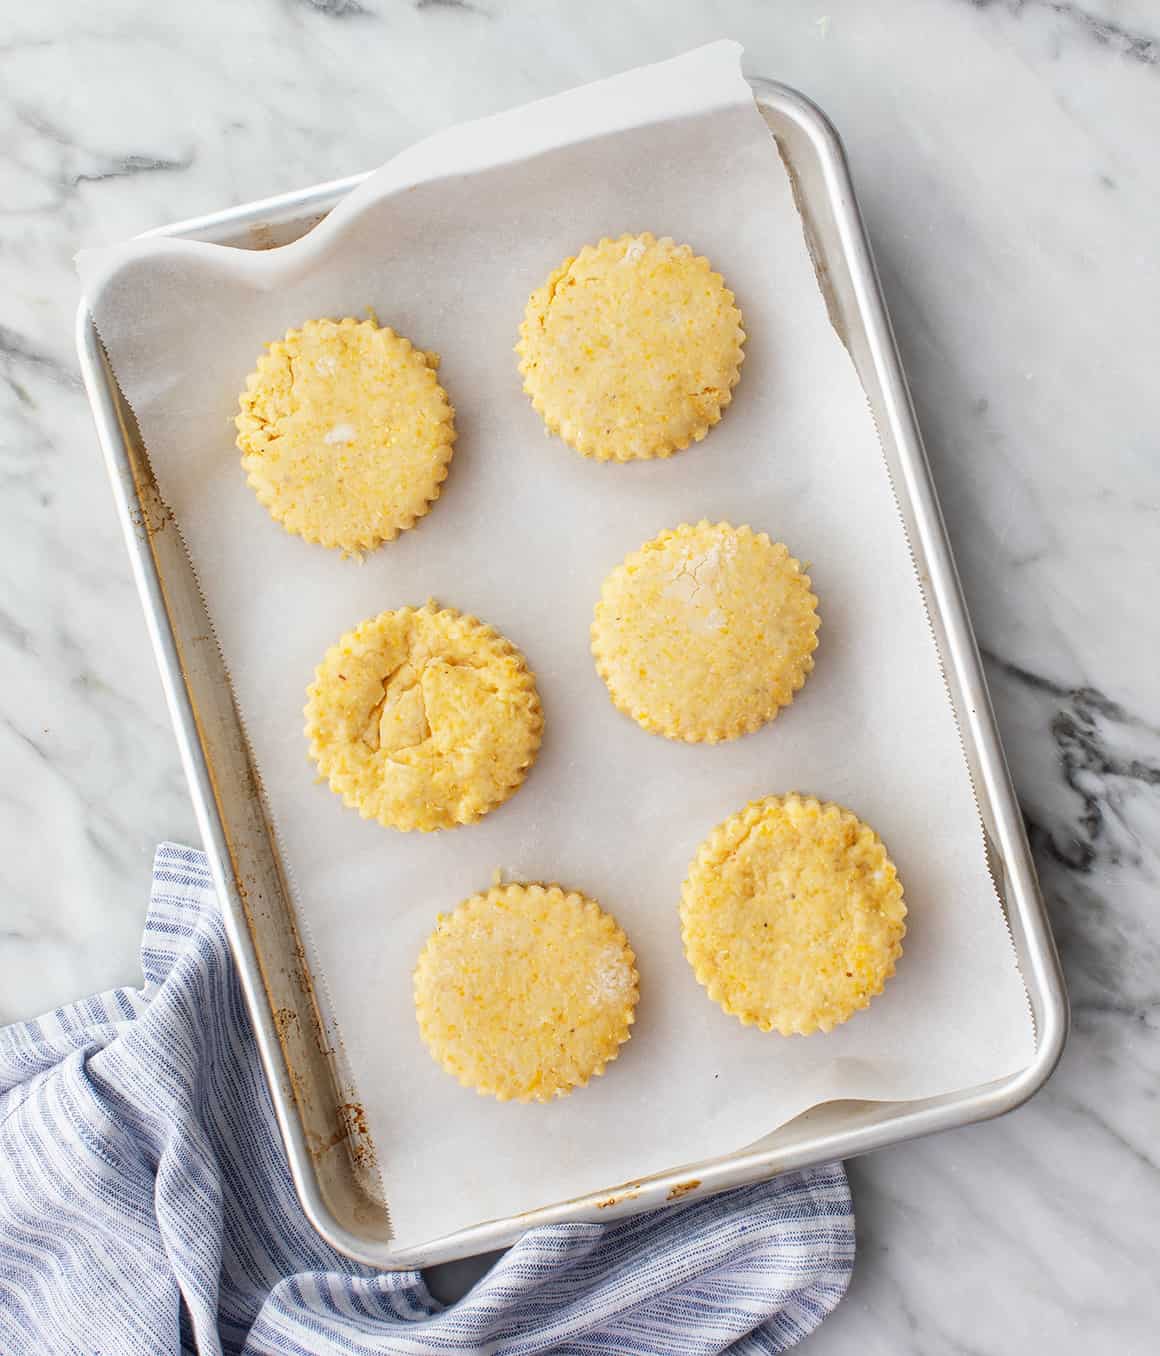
{"points": [[445, 243]]}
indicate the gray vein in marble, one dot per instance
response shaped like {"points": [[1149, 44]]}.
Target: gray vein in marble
{"points": [[12, 633], [1086, 1111], [129, 165], [465, 5], [17, 349], [1085, 757], [103, 166], [1136, 46], [337, 9]]}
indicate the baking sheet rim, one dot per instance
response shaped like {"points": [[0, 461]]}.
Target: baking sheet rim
{"points": [[1034, 948]]}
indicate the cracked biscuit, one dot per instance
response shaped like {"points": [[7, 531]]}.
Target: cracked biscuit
{"points": [[423, 719]]}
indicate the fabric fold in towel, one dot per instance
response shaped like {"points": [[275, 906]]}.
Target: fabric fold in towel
{"points": [[146, 1206]]}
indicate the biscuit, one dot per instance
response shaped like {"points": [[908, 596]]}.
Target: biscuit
{"points": [[423, 719], [792, 915], [631, 349], [345, 433], [526, 992], [706, 632]]}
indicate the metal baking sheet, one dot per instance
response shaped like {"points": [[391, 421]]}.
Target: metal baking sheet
{"points": [[331, 1156]]}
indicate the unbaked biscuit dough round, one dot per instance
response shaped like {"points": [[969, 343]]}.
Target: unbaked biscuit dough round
{"points": [[705, 632], [792, 915], [423, 719], [345, 433], [631, 349], [526, 992]]}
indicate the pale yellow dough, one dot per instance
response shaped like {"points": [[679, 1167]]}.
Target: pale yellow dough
{"points": [[423, 719], [792, 915], [705, 632], [526, 992], [345, 433], [631, 349]]}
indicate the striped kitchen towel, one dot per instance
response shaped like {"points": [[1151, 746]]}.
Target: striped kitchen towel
{"points": [[146, 1207]]}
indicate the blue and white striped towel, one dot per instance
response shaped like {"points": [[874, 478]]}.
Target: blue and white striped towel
{"points": [[146, 1207]]}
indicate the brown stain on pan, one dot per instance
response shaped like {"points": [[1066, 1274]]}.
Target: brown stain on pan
{"points": [[351, 1123], [683, 1189], [617, 1198], [355, 1117]]}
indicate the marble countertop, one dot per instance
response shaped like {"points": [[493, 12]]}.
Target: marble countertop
{"points": [[1005, 156]]}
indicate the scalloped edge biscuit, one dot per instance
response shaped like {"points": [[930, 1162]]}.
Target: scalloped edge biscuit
{"points": [[537, 1030], [804, 984], [291, 494], [601, 399], [701, 701], [402, 792]]}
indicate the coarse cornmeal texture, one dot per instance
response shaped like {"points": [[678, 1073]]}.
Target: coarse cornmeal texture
{"points": [[423, 719], [792, 915], [526, 992], [345, 433], [705, 632], [631, 349]]}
